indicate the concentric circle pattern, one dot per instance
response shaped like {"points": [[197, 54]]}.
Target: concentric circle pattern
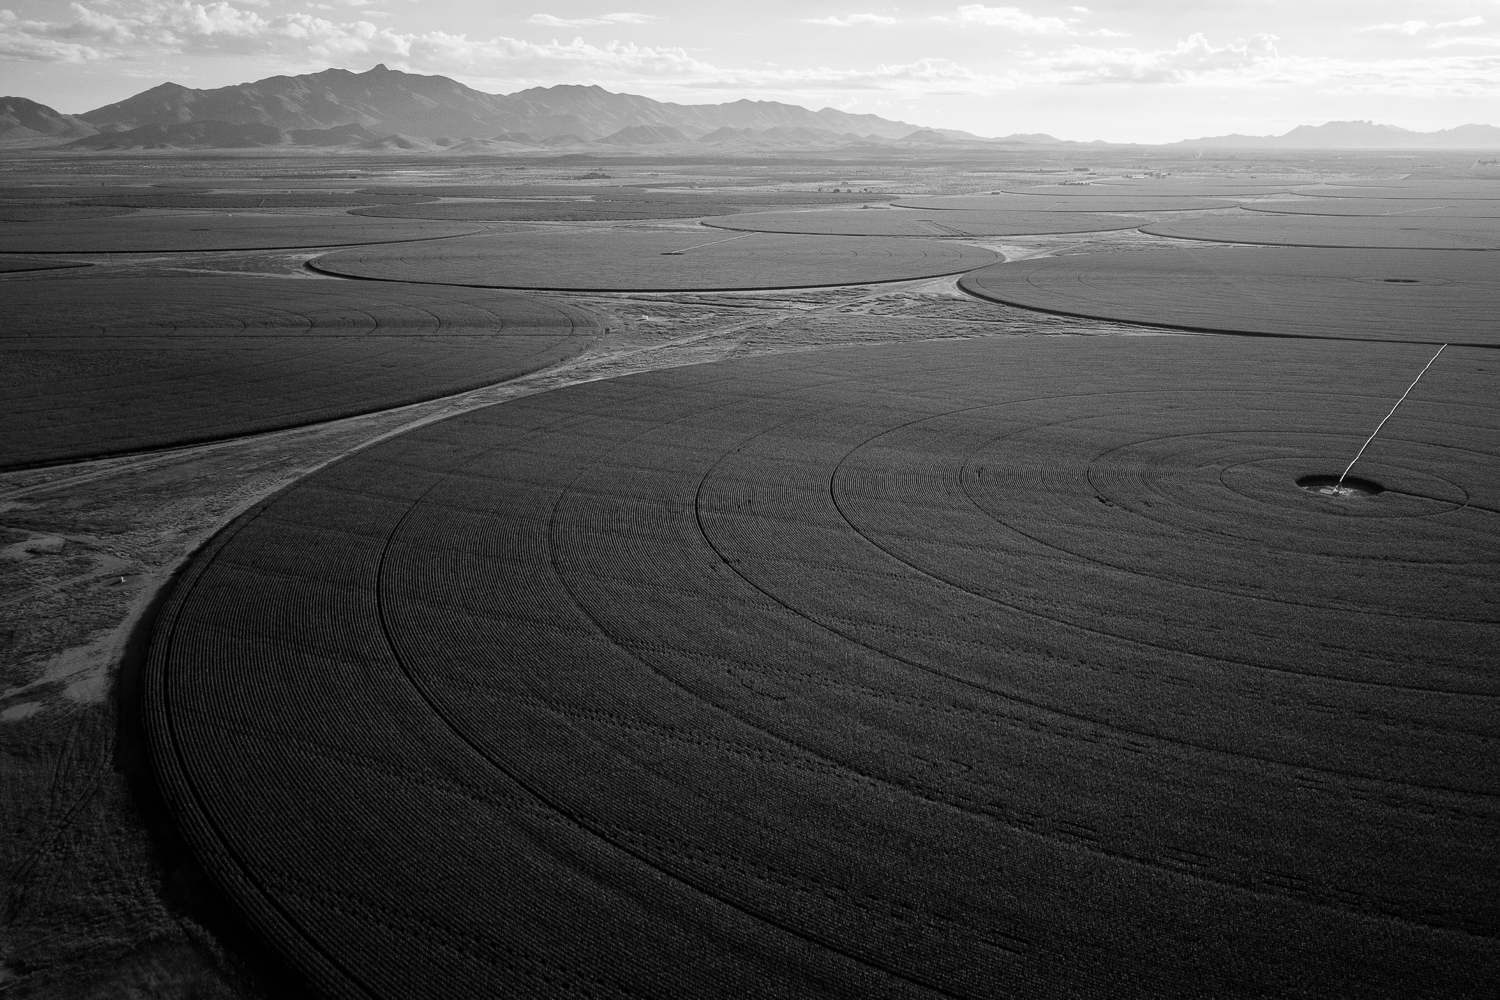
{"points": [[1432, 296], [974, 668], [146, 232], [657, 260], [93, 366], [908, 222]]}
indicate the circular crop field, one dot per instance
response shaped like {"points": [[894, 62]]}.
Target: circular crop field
{"points": [[1399, 232], [1175, 187], [657, 260], [1093, 201], [1447, 189], [963, 669], [905, 222], [1411, 295], [143, 233], [93, 366], [547, 211], [1402, 208]]}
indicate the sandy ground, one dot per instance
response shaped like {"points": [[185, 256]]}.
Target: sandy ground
{"points": [[99, 897]]}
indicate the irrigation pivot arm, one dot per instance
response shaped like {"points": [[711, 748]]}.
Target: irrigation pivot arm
{"points": [[1388, 415]]}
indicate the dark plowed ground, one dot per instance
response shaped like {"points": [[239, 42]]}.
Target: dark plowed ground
{"points": [[1400, 232], [908, 222], [94, 366], [657, 260], [160, 233], [977, 669], [1433, 296]]}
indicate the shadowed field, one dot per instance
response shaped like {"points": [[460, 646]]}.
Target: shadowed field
{"points": [[657, 260], [102, 365], [1414, 295], [954, 669]]}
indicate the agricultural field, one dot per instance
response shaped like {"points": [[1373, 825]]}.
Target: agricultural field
{"points": [[115, 364], [907, 222], [1432, 296], [834, 676], [184, 231], [1395, 232], [872, 575], [1065, 200], [657, 260], [1400, 208]]}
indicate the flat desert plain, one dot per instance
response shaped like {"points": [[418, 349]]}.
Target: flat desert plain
{"points": [[482, 577]]}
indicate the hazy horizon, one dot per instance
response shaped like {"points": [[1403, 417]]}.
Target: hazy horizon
{"points": [[1122, 71]]}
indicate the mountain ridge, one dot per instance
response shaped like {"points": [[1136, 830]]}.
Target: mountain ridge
{"points": [[385, 108], [436, 106], [1359, 134]]}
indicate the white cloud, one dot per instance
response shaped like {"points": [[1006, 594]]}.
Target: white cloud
{"points": [[850, 20], [1416, 27], [1108, 33], [1445, 43], [1012, 19], [585, 22], [1191, 60]]}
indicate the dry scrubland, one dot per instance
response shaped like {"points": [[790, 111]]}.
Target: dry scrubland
{"points": [[677, 638]]}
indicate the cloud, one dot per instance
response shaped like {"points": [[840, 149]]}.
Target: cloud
{"points": [[1191, 60], [585, 22], [1012, 19], [850, 20], [1445, 43], [1416, 27]]}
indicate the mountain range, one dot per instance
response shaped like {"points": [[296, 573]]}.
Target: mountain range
{"points": [[433, 112], [383, 109], [1360, 135]]}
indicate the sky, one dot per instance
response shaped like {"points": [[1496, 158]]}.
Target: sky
{"points": [[1118, 70]]}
